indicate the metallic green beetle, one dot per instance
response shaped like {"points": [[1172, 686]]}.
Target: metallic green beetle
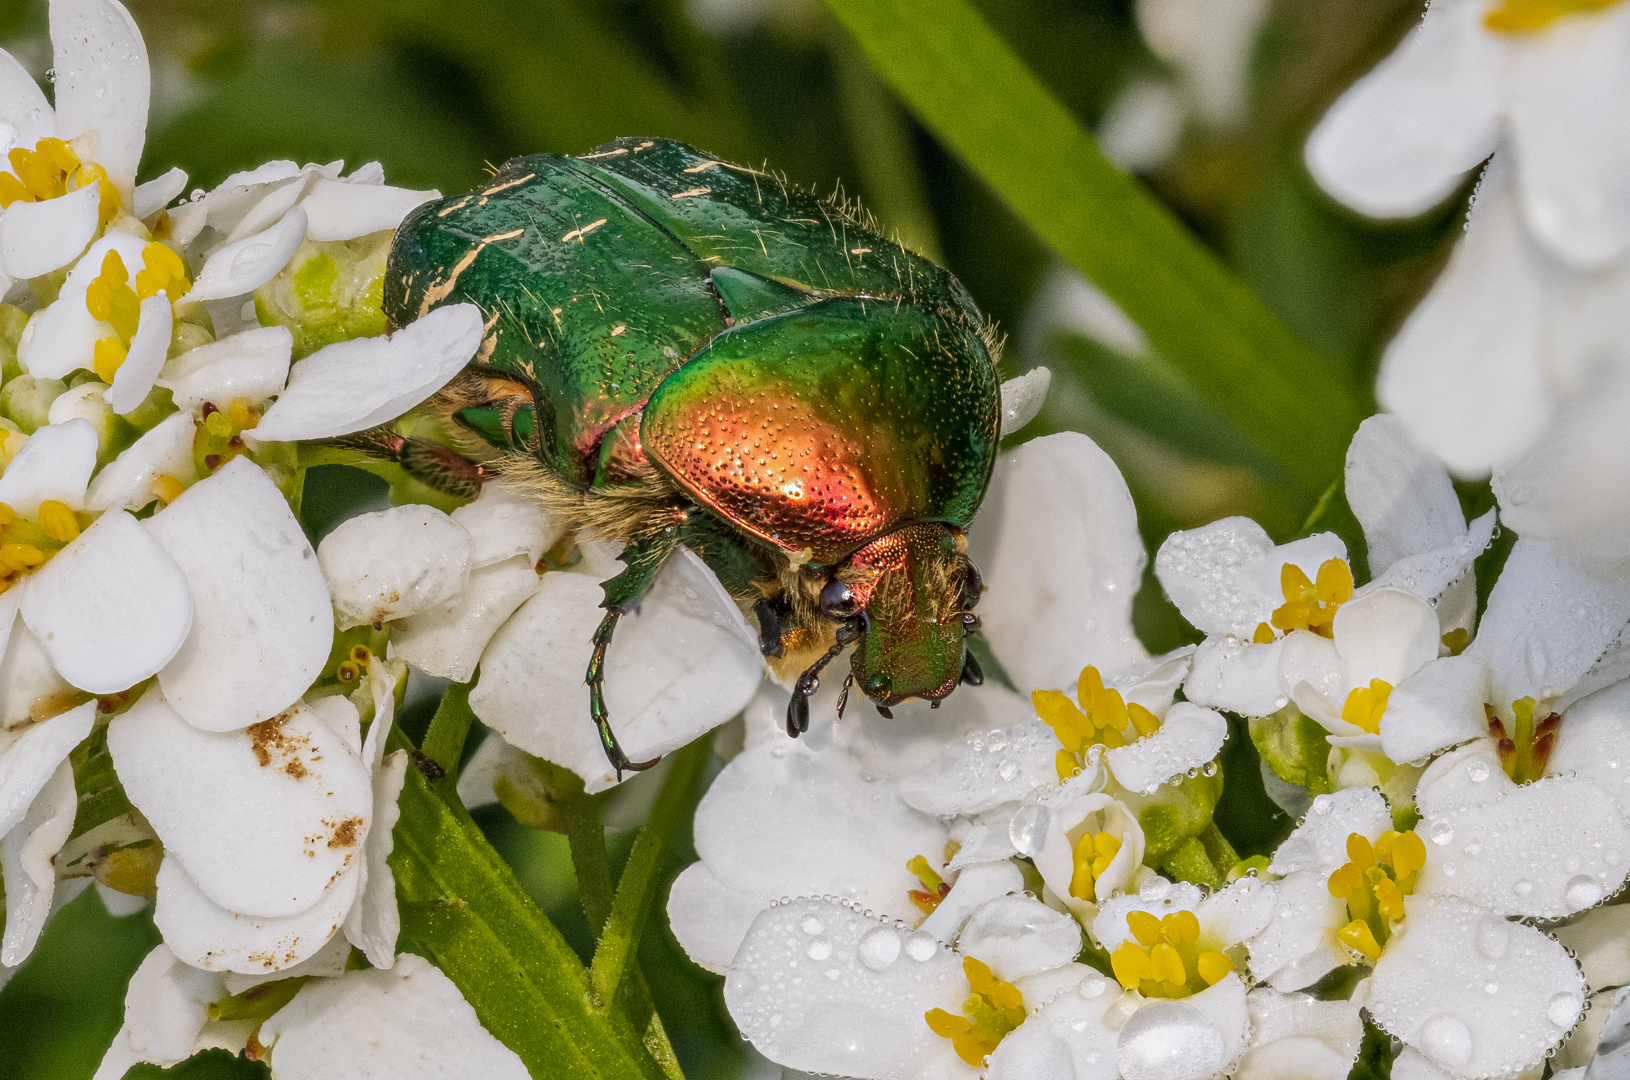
{"points": [[680, 350]]}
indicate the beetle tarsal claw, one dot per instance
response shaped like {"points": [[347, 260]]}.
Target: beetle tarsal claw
{"points": [[972, 673]]}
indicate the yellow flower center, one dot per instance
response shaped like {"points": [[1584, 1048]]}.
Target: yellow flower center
{"points": [[25, 545], [1528, 16], [219, 438], [1526, 748], [1365, 705], [993, 1009], [1309, 605], [1093, 854], [1164, 960], [51, 170], [1374, 884], [111, 299], [1102, 718], [934, 887]]}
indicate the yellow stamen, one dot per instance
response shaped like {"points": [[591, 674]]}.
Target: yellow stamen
{"points": [[20, 557], [1167, 964], [1163, 958], [1180, 927], [993, 1009], [243, 414], [1360, 851], [1527, 16], [7, 514], [1059, 713], [58, 521], [1146, 722], [162, 269], [168, 489], [346, 672], [1456, 640], [1311, 605], [1144, 926], [926, 899], [1214, 967], [108, 355], [1093, 854], [1130, 965], [110, 298], [1365, 704], [1356, 935], [1345, 880], [1263, 634], [219, 425]]}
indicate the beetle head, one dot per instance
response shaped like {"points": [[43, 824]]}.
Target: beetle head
{"points": [[912, 590]]}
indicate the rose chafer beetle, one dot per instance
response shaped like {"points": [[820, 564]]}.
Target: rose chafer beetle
{"points": [[680, 350]]}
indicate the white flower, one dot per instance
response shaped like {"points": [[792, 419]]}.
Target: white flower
{"points": [[1474, 993], [408, 1022], [1297, 1035], [93, 137], [1541, 79]]}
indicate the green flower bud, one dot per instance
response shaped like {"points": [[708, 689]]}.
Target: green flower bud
{"points": [[329, 292], [26, 401]]}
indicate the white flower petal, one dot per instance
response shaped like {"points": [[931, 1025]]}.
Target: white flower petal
{"points": [[504, 524], [126, 483], [1320, 841], [1019, 935], [1084, 814], [111, 608], [1388, 634], [859, 850], [373, 922], [1399, 493], [1594, 743], [447, 641], [1236, 675], [1600, 939], [1438, 706], [27, 858], [1567, 84], [1237, 912], [1547, 622], [1022, 399], [265, 820], [260, 608], [23, 106], [1191, 1039], [1462, 373], [352, 385], [709, 918], [974, 886], [253, 365], [267, 205], [1225, 577], [1049, 984], [409, 1023], [245, 265], [166, 1008], [1158, 897], [1310, 673], [147, 351], [55, 463], [1400, 140], [1188, 738], [1426, 992], [1067, 1039], [1296, 1037], [864, 1021], [394, 563], [1060, 595], [1548, 849], [206, 935], [341, 210], [39, 237], [670, 676], [62, 338], [1299, 946], [1431, 573], [102, 83], [970, 779], [29, 684], [30, 757], [158, 193]]}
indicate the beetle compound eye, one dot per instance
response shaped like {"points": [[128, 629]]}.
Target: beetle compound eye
{"points": [[837, 600]]}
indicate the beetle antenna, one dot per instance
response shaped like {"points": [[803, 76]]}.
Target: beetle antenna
{"points": [[810, 681]]}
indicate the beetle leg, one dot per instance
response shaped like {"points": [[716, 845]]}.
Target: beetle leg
{"points": [[810, 681], [769, 627], [972, 673], [597, 701], [843, 698], [429, 462]]}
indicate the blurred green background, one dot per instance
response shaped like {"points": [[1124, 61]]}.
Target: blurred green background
{"points": [[440, 91]]}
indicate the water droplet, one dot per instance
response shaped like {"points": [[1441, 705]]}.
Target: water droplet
{"points": [[819, 949], [1440, 832], [833, 973], [812, 925], [1522, 886], [1563, 1009], [1092, 986], [1169, 1040], [1446, 1040], [1582, 891], [879, 947], [1210, 768], [1493, 937], [921, 945], [775, 1019], [1028, 829], [997, 741], [1322, 805], [1007, 770], [1154, 889], [1491, 987], [1078, 1023], [1478, 771]]}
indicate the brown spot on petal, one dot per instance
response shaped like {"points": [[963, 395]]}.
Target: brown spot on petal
{"points": [[345, 834], [271, 743]]}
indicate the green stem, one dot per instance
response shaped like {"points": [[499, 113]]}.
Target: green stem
{"points": [[968, 87]]}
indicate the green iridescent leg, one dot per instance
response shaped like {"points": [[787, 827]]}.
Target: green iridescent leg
{"points": [[597, 701]]}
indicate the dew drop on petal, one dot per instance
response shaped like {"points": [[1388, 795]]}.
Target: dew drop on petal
{"points": [[1493, 937], [1154, 889], [1478, 771], [812, 925], [878, 948], [1522, 886], [1322, 805], [1078, 1023], [997, 741], [1440, 832], [819, 948], [1563, 1009], [1169, 1040], [1582, 891], [1007, 770], [1092, 986], [1491, 987], [921, 945], [1446, 1040], [1028, 829]]}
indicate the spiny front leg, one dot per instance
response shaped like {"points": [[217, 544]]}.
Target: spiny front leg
{"points": [[597, 701]]}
